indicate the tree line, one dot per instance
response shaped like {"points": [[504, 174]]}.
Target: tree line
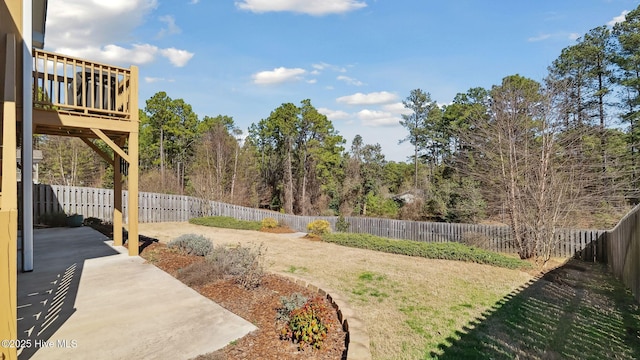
{"points": [[534, 155]]}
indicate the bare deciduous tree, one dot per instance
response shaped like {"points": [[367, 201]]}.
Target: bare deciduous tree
{"points": [[530, 164]]}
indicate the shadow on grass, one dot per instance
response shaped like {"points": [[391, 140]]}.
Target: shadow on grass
{"points": [[577, 311]]}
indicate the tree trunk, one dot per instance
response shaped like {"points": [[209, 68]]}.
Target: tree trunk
{"points": [[602, 128], [162, 157], [288, 181], [235, 170], [219, 170], [303, 197], [415, 161]]}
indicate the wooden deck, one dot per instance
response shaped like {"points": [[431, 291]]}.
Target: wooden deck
{"points": [[91, 100], [72, 96]]}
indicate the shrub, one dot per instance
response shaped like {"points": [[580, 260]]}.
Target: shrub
{"points": [[92, 221], [55, 219], [240, 263], [445, 251], [342, 225], [269, 223], [226, 222], [307, 325], [192, 244], [319, 227], [290, 303], [198, 274]]}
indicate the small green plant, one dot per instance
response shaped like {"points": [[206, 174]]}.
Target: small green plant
{"points": [[372, 285], [269, 223], [307, 325], [192, 244], [342, 225], [294, 269], [289, 304], [319, 227]]}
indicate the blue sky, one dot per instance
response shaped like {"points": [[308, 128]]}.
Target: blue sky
{"points": [[355, 59]]}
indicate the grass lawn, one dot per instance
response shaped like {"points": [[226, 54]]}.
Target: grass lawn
{"points": [[578, 311], [421, 308]]}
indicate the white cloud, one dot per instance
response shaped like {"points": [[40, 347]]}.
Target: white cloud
{"points": [[619, 18], [382, 97], [554, 36], [320, 66], [376, 118], [312, 81], [81, 23], [540, 37], [397, 108], [350, 81], [137, 54], [334, 114], [151, 80], [171, 28], [177, 57], [278, 75], [310, 7], [101, 31]]}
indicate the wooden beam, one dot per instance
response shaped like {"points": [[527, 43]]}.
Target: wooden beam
{"points": [[111, 144], [98, 151], [133, 166], [8, 186], [132, 217], [117, 201], [50, 118]]}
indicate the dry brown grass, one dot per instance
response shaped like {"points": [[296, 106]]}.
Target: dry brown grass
{"points": [[409, 305]]}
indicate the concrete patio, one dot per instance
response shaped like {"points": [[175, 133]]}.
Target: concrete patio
{"points": [[86, 299]]}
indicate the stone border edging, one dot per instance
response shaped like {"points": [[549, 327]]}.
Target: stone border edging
{"points": [[357, 340]]}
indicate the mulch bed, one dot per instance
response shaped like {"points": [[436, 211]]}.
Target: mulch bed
{"points": [[258, 306], [279, 230]]}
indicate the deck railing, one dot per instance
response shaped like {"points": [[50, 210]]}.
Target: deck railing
{"points": [[68, 84]]}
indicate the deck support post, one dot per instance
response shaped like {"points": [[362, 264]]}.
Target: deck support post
{"points": [[117, 200], [132, 218]]}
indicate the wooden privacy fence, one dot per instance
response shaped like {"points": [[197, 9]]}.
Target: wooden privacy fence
{"points": [[153, 207], [623, 250]]}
